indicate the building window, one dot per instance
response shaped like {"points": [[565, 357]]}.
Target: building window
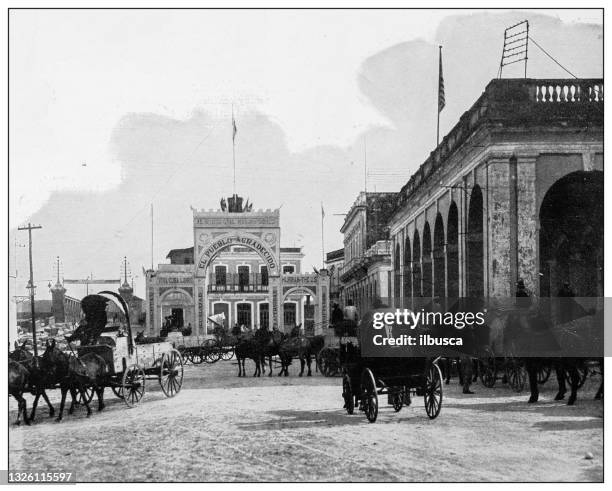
{"points": [[289, 314], [264, 275], [243, 278], [264, 315], [288, 269], [220, 275], [244, 314]]}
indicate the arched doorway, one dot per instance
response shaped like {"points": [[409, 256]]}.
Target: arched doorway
{"points": [[452, 251], [416, 265], [407, 273], [475, 245], [427, 270], [571, 235], [439, 259]]}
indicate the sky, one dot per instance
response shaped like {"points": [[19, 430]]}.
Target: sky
{"points": [[114, 111]]}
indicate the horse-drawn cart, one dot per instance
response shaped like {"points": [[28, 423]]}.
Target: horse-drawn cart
{"points": [[365, 378], [130, 364]]}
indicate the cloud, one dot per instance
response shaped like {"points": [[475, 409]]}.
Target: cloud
{"points": [[176, 162]]}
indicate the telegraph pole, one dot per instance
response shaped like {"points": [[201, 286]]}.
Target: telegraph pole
{"points": [[29, 228]]}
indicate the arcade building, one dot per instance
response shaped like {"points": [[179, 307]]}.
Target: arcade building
{"points": [[237, 268]]}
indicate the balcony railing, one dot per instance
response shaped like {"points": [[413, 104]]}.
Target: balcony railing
{"points": [[521, 103], [237, 283]]}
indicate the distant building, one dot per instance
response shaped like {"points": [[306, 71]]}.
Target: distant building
{"points": [[366, 273], [334, 261]]}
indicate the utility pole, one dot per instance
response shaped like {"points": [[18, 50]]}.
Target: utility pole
{"points": [[29, 228]]}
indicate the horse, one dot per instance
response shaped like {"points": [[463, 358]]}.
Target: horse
{"points": [[38, 379], [18, 383], [571, 366], [269, 343], [298, 346], [247, 346], [75, 374]]}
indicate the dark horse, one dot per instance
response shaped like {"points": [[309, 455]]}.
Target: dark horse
{"points": [[540, 326], [248, 346], [18, 383], [270, 342], [75, 374], [298, 346], [38, 380]]}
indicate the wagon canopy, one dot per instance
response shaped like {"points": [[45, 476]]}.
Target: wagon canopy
{"points": [[94, 307]]}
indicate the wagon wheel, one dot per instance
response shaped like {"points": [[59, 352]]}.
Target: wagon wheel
{"points": [[516, 375], [433, 391], [488, 372], [227, 354], [328, 362], [133, 385], [210, 351], [543, 374], [369, 395], [117, 390], [184, 354], [398, 401], [347, 394], [171, 373], [86, 395], [196, 356]]}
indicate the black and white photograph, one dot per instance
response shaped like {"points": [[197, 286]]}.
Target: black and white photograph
{"points": [[258, 245]]}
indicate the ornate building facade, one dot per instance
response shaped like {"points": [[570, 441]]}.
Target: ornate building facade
{"points": [[237, 268]]}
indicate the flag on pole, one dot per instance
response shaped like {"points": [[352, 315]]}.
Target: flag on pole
{"points": [[441, 98], [322, 211], [234, 129]]}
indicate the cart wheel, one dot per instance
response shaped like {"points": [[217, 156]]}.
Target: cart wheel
{"points": [[210, 351], [196, 356], [543, 374], [327, 360], [516, 375], [86, 395], [117, 390], [184, 354], [347, 394], [369, 395], [488, 372], [133, 385], [227, 354], [433, 391], [171, 373], [398, 401]]}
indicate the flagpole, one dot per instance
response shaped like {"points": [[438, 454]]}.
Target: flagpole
{"points": [[322, 232], [439, 77], [234, 145]]}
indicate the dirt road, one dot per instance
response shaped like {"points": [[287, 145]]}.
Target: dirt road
{"points": [[221, 428]]}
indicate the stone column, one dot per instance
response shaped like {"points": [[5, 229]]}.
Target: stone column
{"points": [[500, 216], [528, 265]]}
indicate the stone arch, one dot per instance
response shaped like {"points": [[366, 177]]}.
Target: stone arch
{"points": [[452, 251], [397, 285], [439, 258], [211, 250], [426, 260], [475, 245], [299, 289], [407, 271], [416, 265], [571, 235], [163, 296]]}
